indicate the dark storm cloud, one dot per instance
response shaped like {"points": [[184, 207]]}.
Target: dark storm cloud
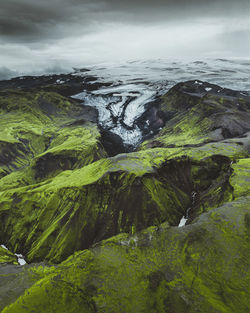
{"points": [[25, 20], [44, 36], [36, 21]]}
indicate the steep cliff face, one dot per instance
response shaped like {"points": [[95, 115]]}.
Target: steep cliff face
{"points": [[63, 189], [41, 126]]}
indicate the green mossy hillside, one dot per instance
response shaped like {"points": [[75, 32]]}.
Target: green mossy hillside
{"points": [[43, 128], [51, 219], [200, 268], [197, 115], [235, 148]]}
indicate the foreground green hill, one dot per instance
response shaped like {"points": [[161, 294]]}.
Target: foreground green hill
{"points": [[198, 268], [107, 226]]}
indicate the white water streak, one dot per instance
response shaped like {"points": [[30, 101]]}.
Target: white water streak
{"points": [[20, 257]]}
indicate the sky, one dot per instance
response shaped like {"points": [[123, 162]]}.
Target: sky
{"points": [[56, 35]]}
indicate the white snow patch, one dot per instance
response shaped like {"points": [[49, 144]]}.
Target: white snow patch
{"points": [[182, 222], [20, 259], [59, 81], [119, 89], [100, 103], [117, 107], [110, 102], [80, 96], [136, 107], [130, 137], [208, 89]]}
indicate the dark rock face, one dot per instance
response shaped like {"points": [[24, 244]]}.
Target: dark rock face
{"points": [[64, 84], [152, 120], [197, 112], [67, 184], [112, 143], [115, 201]]}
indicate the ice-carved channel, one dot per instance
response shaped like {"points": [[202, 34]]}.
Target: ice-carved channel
{"points": [[136, 107], [119, 107]]}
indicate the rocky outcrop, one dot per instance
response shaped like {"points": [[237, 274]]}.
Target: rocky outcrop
{"points": [[198, 113], [64, 84], [52, 219]]}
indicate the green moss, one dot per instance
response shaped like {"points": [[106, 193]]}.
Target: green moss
{"points": [[61, 195], [240, 179], [201, 268], [122, 194], [63, 297], [7, 257], [189, 131], [126, 193], [198, 124], [72, 147], [41, 135], [48, 125]]}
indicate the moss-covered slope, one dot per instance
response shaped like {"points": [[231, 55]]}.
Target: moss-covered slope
{"points": [[45, 128], [201, 268], [52, 219], [197, 113]]}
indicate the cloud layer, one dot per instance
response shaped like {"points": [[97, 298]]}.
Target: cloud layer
{"points": [[59, 34]]}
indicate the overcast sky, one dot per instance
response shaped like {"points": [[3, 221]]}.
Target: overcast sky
{"points": [[58, 34]]}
